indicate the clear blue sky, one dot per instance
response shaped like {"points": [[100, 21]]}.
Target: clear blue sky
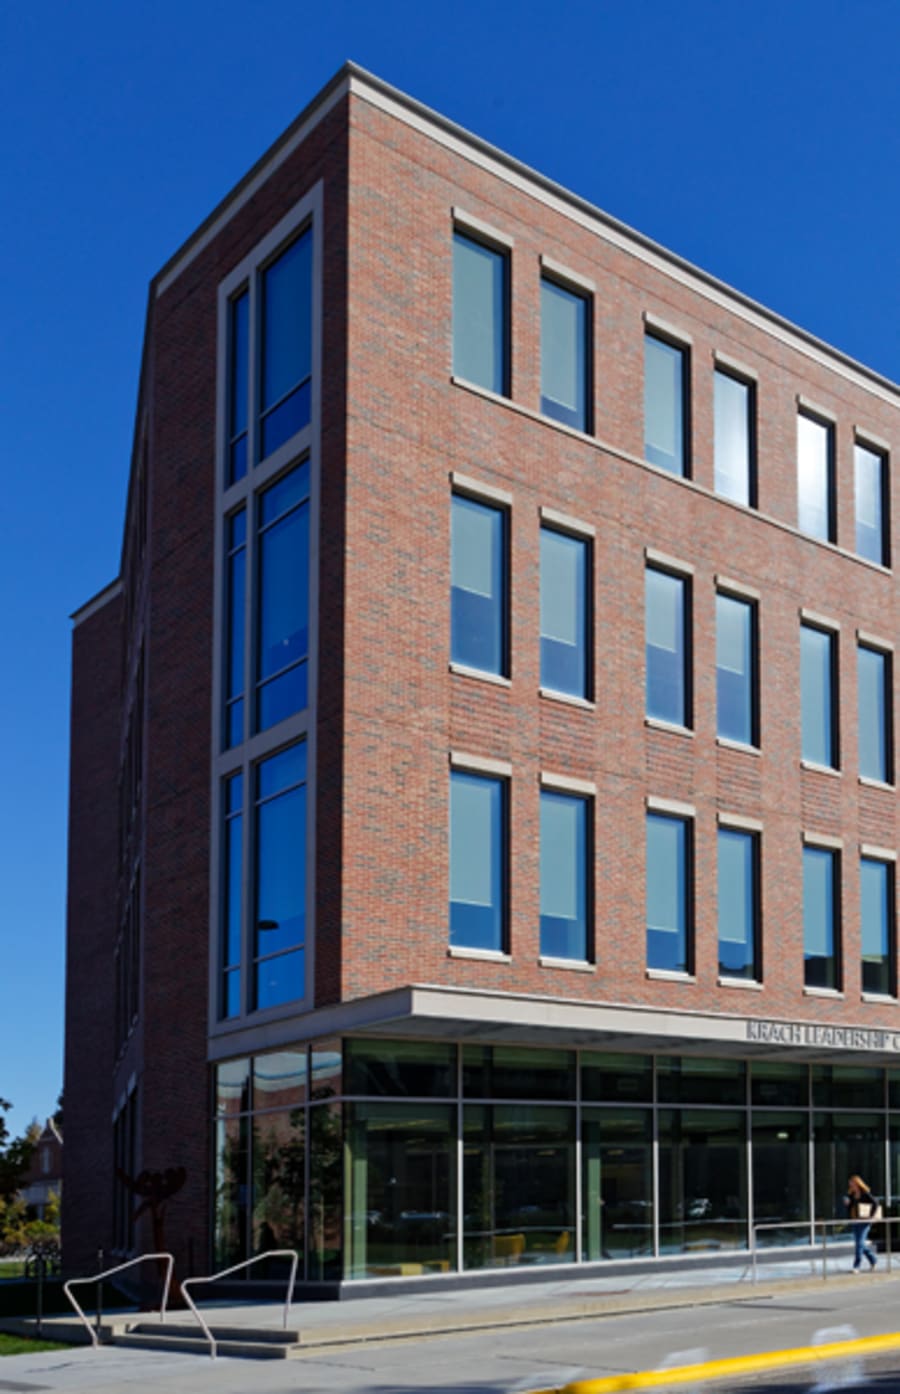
{"points": [[760, 141]]}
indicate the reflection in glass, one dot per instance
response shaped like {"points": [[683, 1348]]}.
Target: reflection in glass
{"points": [[564, 876], [819, 908], [564, 355], [418, 1069], [325, 1191], [477, 861], [280, 899], [402, 1189], [668, 893], [518, 1185], [232, 1189], [876, 887], [816, 696], [702, 1180], [664, 395], [738, 880], [847, 1086], [564, 613], [690, 1079], [286, 345], [279, 1079], [873, 704], [279, 1160], [283, 605], [518, 1072], [236, 567], [781, 1175], [233, 898], [233, 1087], [478, 586], [616, 1079], [777, 1085], [480, 331], [735, 669], [665, 612], [617, 1183], [815, 505], [871, 533], [846, 1144], [733, 439], [239, 377]]}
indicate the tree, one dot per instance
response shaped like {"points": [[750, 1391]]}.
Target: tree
{"points": [[14, 1156]]}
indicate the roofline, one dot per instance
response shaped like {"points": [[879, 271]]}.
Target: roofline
{"points": [[351, 78], [97, 602]]}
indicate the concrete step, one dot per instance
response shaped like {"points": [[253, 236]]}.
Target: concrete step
{"points": [[276, 1334], [193, 1342]]}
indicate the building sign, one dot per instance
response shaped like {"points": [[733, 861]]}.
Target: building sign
{"points": [[796, 1033]]}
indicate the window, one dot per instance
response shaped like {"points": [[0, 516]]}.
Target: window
{"points": [[669, 893], [739, 904], [665, 405], [565, 613], [876, 889], [480, 314], [565, 355], [870, 469], [815, 478], [873, 668], [667, 647], [236, 587], [734, 438], [817, 695], [736, 682], [233, 896], [478, 586], [279, 920], [820, 924], [477, 861], [283, 598], [564, 875], [238, 372]]}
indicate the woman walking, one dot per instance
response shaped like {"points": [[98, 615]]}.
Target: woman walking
{"points": [[862, 1206]]}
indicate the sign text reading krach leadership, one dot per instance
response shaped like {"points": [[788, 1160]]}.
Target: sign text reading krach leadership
{"points": [[836, 1037]]}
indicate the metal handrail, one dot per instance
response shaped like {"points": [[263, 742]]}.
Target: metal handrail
{"points": [[824, 1225], [107, 1273], [247, 1263]]}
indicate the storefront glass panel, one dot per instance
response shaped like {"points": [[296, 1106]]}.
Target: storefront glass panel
{"points": [[279, 1080], [780, 1159], [682, 1079], [232, 1188], [616, 1079], [508, 1072], [279, 1157], [326, 1176], [617, 1183], [232, 1087], [702, 1180], [518, 1185], [846, 1144], [412, 1069], [774, 1085], [401, 1210], [847, 1086]]}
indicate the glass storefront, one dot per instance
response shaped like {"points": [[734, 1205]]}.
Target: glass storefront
{"points": [[380, 1158]]}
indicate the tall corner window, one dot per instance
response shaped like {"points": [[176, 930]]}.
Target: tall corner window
{"points": [[565, 872], [235, 630], [286, 345], [736, 670], [282, 621], [279, 902], [669, 885], [478, 586], [738, 897], [238, 385], [735, 444], [480, 314], [871, 486], [565, 355], [815, 478], [665, 405], [818, 696], [565, 613], [667, 645], [821, 936], [877, 927], [478, 861], [874, 706], [232, 896]]}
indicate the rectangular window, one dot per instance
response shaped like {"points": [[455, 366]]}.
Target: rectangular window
{"points": [[480, 314], [667, 635], [870, 469], [565, 355], [873, 668], [739, 936], [665, 405], [736, 681], [815, 478], [820, 918], [565, 611], [478, 822], [669, 893], [238, 376], [279, 920], [734, 438], [877, 929], [286, 345], [565, 868], [478, 586], [818, 687], [236, 584], [282, 640], [233, 897]]}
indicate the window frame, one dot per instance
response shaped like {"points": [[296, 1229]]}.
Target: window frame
{"points": [[479, 235], [723, 370], [833, 715], [572, 534], [560, 282], [813, 846], [752, 604], [741, 829], [498, 775], [658, 811], [809, 413], [685, 579], [871, 854], [585, 799], [864, 644], [497, 503], [658, 335], [882, 454]]}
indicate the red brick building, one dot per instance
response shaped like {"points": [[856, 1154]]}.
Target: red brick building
{"points": [[483, 829]]}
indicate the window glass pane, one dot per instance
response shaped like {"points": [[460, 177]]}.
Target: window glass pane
{"points": [[732, 438], [278, 1181], [478, 580], [234, 663], [702, 1180], [563, 355], [564, 873], [774, 1085], [780, 1155], [688, 1079], [816, 696], [239, 368], [232, 1192], [870, 510], [844, 1144], [613, 1078], [814, 478], [283, 614], [479, 314], [232, 918], [286, 344], [280, 901], [666, 650], [476, 861], [233, 1087], [877, 931], [564, 637], [667, 893], [735, 669], [819, 917], [279, 1079], [848, 1086], [617, 1183], [737, 904], [664, 405], [326, 1190], [518, 1072], [419, 1069], [872, 690]]}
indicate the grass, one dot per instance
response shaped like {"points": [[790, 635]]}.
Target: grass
{"points": [[12, 1269], [23, 1345]]}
